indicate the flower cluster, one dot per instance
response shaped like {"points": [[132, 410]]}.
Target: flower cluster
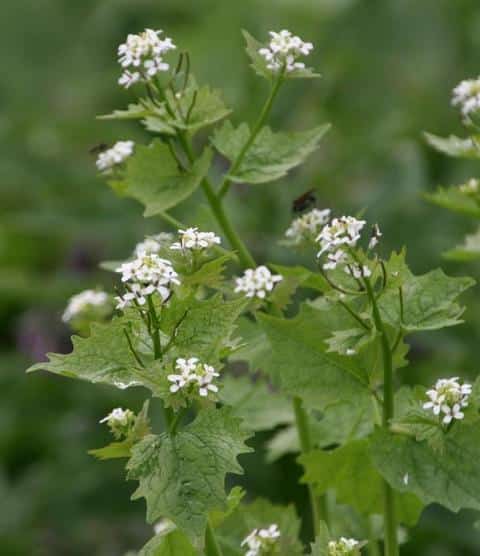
{"points": [[471, 187], [257, 282], [192, 239], [145, 275], [449, 398], [261, 541], [337, 239], [84, 302], [141, 57], [153, 244], [114, 156], [193, 375], [283, 51], [344, 547], [306, 227], [120, 421], [466, 95]]}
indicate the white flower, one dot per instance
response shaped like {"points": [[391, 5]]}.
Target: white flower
{"points": [[257, 282], [471, 187], [153, 244], [119, 421], [448, 398], [307, 226], [343, 547], [283, 51], [194, 240], [466, 95], [144, 276], [192, 374], [259, 541], [141, 56], [374, 237], [84, 301], [115, 156]]}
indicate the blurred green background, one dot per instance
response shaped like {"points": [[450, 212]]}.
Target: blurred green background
{"points": [[388, 68]]}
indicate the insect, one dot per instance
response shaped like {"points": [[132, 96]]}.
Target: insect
{"points": [[99, 148], [304, 202]]}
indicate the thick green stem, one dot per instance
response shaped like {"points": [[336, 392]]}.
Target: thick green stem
{"points": [[318, 505], [212, 548], [373, 548], [390, 518], [216, 206], [253, 135]]}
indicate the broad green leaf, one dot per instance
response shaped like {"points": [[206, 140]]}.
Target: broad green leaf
{"points": [[300, 361], [450, 478], [134, 111], [259, 64], [469, 251], [284, 442], [105, 356], [257, 515], [454, 146], [169, 542], [429, 302], [271, 156], [152, 176], [350, 472], [254, 348], [123, 449], [210, 274], [303, 277], [452, 198], [182, 476], [259, 407]]}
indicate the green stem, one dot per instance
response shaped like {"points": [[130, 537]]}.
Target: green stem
{"points": [[318, 506], [253, 135], [176, 421], [372, 547], [216, 206], [390, 518], [212, 548]]}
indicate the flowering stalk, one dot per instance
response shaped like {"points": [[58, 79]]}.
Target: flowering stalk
{"points": [[390, 518], [255, 131]]}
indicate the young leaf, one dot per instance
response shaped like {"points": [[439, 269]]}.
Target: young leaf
{"points": [[182, 476], [320, 546], [469, 251], [429, 302], [300, 360], [450, 477], [248, 402], [454, 146], [169, 543], [153, 177], [351, 473], [271, 156], [452, 198]]}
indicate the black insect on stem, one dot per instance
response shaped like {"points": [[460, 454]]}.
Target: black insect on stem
{"points": [[306, 201]]}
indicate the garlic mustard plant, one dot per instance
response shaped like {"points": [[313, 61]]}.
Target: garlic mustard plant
{"points": [[322, 343]]}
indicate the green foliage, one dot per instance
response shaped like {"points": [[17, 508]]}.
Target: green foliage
{"points": [[271, 155], [448, 475], [169, 542], [155, 179], [468, 251], [429, 302], [453, 199], [349, 470], [454, 146], [182, 476]]}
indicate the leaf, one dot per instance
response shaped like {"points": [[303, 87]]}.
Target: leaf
{"points": [[300, 361], [152, 177], [182, 476], [469, 251], [271, 155], [210, 274], [258, 515], [259, 407], [429, 302], [320, 546], [259, 64], [451, 478], [453, 146], [123, 449], [133, 112], [452, 198], [235, 496], [105, 356], [357, 483]]}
